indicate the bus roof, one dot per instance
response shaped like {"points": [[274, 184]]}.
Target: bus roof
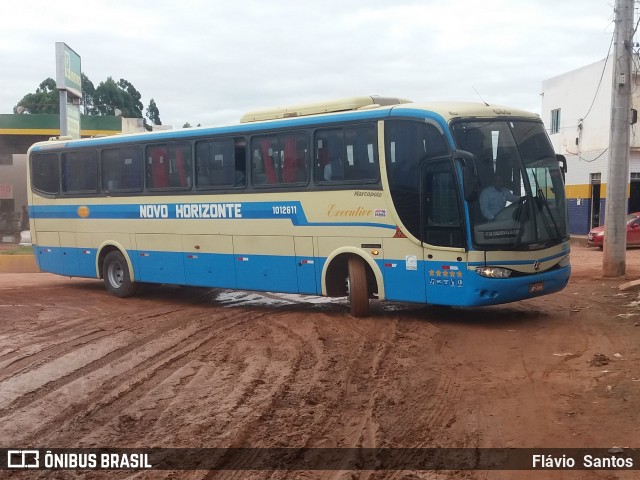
{"points": [[355, 108], [454, 110], [316, 108]]}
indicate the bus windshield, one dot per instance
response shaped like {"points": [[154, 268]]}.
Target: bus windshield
{"points": [[520, 202]]}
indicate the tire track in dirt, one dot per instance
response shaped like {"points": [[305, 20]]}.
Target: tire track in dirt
{"points": [[71, 350], [358, 348], [34, 355], [367, 429], [414, 420], [59, 370], [56, 322], [295, 404], [142, 403], [29, 356], [101, 372], [284, 409]]}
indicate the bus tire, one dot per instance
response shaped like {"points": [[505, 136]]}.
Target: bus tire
{"points": [[358, 289], [115, 273]]}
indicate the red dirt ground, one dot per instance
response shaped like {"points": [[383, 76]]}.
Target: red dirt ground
{"points": [[178, 367]]}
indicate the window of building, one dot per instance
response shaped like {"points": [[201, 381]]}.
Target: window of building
{"points": [[346, 155], [45, 173], [169, 166], [80, 171], [121, 170], [280, 159], [555, 121]]}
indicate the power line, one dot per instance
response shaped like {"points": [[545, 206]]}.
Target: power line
{"points": [[595, 96], [580, 157]]}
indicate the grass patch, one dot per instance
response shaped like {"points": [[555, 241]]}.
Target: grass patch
{"points": [[26, 250]]}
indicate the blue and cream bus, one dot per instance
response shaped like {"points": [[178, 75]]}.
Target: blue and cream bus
{"points": [[366, 197]]}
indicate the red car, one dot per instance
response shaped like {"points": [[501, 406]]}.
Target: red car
{"points": [[596, 235]]}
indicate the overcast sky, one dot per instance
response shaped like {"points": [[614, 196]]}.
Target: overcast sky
{"points": [[209, 61]]}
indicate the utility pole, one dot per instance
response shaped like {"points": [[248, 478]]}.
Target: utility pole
{"points": [[615, 245]]}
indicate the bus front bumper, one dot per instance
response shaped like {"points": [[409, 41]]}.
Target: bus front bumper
{"points": [[493, 291]]}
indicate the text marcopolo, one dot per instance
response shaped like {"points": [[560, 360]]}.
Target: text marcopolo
{"points": [[193, 210]]}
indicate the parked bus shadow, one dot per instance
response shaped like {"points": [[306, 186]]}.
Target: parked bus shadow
{"points": [[501, 316]]}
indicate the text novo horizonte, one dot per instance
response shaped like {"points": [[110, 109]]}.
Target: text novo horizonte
{"points": [[192, 210]]}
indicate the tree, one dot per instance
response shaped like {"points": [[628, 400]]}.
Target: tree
{"points": [[123, 96], [44, 100], [103, 100], [153, 114], [88, 92], [133, 100], [186, 125]]}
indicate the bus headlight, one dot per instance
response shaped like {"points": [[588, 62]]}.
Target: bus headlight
{"points": [[493, 272]]}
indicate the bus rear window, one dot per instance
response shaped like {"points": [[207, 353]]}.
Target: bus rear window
{"points": [[80, 172], [45, 173]]}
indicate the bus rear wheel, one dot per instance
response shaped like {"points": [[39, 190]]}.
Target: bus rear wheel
{"points": [[357, 287], [115, 273]]}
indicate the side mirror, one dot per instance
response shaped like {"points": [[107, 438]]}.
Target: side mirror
{"points": [[562, 160], [469, 174]]}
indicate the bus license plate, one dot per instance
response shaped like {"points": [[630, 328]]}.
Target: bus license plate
{"points": [[536, 287]]}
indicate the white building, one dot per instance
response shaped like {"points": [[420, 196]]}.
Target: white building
{"points": [[576, 108]]}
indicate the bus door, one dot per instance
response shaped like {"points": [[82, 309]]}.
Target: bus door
{"points": [[442, 232]]}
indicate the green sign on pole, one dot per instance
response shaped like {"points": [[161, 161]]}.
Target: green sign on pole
{"points": [[68, 70], [69, 84]]}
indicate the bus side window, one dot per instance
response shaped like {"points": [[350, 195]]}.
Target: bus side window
{"points": [[280, 160], [204, 167], [80, 171], [180, 166], [121, 170], [216, 164], [362, 154], [295, 164], [347, 154], [263, 170], [157, 167], [329, 145], [240, 166], [169, 166]]}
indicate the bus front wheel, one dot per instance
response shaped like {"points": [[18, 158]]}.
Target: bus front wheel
{"points": [[116, 276], [357, 287]]}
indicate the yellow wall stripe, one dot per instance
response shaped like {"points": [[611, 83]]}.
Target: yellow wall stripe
{"points": [[52, 132]]}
